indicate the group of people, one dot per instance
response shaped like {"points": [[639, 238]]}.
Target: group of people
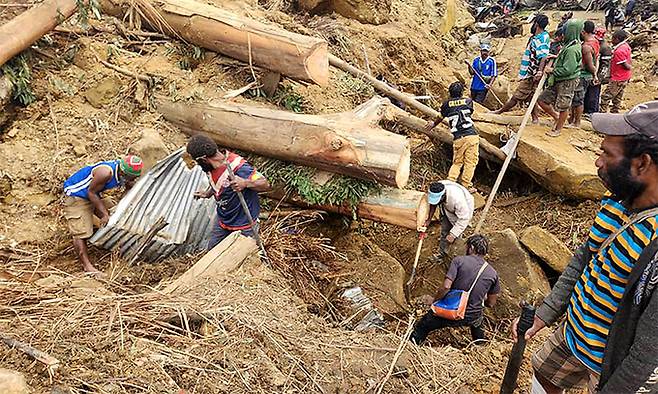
{"points": [[577, 61], [86, 208]]}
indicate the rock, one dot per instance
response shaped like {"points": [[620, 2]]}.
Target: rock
{"points": [[80, 149], [12, 382], [6, 185], [547, 247], [89, 52], [103, 93], [380, 276], [374, 12], [150, 147], [315, 6], [501, 89], [6, 90], [520, 277]]}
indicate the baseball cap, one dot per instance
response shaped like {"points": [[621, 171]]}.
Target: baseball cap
{"points": [[642, 119], [485, 47]]}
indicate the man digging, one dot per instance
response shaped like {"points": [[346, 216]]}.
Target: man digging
{"points": [[230, 214], [83, 199], [609, 339]]}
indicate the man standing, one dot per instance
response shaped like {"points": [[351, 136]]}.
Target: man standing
{"points": [[484, 72], [564, 77], [593, 99], [456, 205], [465, 272], [466, 142], [620, 72], [588, 77], [230, 214], [608, 291], [532, 66], [83, 199]]}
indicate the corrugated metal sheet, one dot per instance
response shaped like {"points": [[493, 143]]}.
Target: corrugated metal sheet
{"points": [[167, 190]]}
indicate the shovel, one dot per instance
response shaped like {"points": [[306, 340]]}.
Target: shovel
{"points": [[421, 237]]}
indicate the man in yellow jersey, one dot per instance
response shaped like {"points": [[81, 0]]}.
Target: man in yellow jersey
{"points": [[609, 339]]}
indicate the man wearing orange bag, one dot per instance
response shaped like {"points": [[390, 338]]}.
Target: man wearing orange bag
{"points": [[465, 272]]}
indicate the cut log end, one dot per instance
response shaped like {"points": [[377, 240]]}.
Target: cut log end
{"points": [[404, 166], [317, 64]]}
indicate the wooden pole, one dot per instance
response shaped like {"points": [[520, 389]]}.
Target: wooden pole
{"points": [[515, 142]]}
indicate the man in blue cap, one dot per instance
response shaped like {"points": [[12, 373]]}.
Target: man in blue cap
{"points": [[484, 71], [456, 205]]}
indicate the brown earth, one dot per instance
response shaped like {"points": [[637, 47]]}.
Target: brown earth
{"points": [[270, 335]]}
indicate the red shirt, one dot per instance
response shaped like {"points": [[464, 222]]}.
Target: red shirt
{"points": [[621, 54]]}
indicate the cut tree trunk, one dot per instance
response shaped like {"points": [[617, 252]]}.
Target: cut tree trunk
{"points": [[404, 208], [227, 256], [25, 29], [291, 54], [350, 143]]}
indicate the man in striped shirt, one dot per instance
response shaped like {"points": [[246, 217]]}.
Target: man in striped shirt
{"points": [[609, 339], [532, 66]]}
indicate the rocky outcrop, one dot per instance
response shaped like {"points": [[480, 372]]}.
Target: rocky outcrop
{"points": [[564, 165], [521, 278], [547, 247]]}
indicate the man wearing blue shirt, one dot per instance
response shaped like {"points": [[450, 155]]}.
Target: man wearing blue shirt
{"points": [[484, 72]]}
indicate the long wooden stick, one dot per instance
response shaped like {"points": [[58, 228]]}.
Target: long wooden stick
{"points": [[51, 362], [515, 142]]}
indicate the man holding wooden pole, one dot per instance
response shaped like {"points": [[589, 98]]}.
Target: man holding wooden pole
{"points": [[230, 214]]}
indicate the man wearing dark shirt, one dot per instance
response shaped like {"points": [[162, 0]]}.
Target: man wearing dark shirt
{"points": [[466, 142], [462, 274], [230, 214]]}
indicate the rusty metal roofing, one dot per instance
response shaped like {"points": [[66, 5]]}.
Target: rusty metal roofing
{"points": [[166, 191]]}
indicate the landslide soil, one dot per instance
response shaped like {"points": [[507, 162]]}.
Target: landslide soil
{"points": [[85, 112]]}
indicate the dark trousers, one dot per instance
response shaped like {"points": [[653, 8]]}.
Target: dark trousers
{"points": [[218, 234], [446, 226], [592, 99], [431, 322], [479, 95]]}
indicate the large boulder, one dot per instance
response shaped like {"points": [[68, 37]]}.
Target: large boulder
{"points": [[521, 278], [12, 382], [547, 247], [375, 12], [150, 147], [102, 93], [381, 276], [501, 89]]}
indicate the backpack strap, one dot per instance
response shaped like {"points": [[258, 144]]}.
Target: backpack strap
{"points": [[635, 218], [478, 276]]}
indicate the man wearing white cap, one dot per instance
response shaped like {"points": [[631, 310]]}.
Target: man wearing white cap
{"points": [[484, 71], [456, 205]]}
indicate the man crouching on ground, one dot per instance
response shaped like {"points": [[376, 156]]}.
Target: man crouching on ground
{"points": [[83, 199], [230, 215]]}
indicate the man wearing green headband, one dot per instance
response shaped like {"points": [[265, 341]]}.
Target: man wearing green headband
{"points": [[83, 201]]}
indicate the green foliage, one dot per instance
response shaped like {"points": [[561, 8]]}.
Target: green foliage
{"points": [[20, 75], [299, 180], [86, 9], [289, 99]]}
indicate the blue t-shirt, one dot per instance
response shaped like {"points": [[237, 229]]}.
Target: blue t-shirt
{"points": [[487, 69]]}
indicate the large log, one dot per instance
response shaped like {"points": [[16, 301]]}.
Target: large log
{"points": [[227, 256], [292, 54], [404, 208], [350, 143], [25, 29]]}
